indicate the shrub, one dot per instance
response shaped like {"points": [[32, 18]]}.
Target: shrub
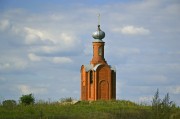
{"points": [[69, 99], [27, 99], [9, 103]]}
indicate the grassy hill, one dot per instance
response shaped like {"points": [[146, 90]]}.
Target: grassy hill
{"points": [[119, 109]]}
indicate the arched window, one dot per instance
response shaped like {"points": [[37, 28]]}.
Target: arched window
{"points": [[91, 77], [100, 50]]}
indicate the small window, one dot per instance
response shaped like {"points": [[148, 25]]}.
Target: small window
{"points": [[100, 51], [91, 77]]}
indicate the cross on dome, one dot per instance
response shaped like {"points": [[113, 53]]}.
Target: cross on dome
{"points": [[99, 34], [99, 19]]}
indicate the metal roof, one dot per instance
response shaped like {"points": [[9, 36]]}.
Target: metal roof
{"points": [[90, 67]]}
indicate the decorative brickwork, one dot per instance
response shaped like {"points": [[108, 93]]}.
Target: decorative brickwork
{"points": [[98, 79]]}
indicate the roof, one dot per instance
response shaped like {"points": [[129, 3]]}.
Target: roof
{"points": [[113, 68], [90, 67], [97, 40], [95, 68]]}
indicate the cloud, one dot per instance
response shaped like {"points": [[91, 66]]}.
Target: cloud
{"points": [[10, 27], [61, 60], [128, 51], [33, 35], [25, 89], [4, 24], [175, 89], [57, 60], [13, 63], [44, 39], [131, 30], [60, 36], [34, 57], [48, 42]]}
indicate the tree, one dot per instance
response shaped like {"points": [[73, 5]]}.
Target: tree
{"points": [[9, 103], [27, 99], [166, 106], [156, 105], [162, 108]]}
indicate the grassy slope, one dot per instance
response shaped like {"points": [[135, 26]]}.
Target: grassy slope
{"points": [[82, 110]]}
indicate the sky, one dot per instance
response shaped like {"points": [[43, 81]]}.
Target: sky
{"points": [[44, 43]]}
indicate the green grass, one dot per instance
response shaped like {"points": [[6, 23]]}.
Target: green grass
{"points": [[82, 110]]}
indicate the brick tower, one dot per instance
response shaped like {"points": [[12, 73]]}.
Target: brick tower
{"points": [[98, 79]]}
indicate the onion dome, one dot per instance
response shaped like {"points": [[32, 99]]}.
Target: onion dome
{"points": [[99, 35]]}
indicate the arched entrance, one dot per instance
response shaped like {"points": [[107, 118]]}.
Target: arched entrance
{"points": [[103, 90]]}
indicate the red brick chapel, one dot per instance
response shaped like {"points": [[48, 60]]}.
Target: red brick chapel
{"points": [[98, 79]]}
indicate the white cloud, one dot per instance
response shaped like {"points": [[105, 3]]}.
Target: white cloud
{"points": [[174, 89], [11, 27], [34, 35], [34, 57], [131, 30], [12, 63], [49, 42], [25, 89], [4, 24], [61, 60], [128, 51], [50, 49], [56, 60], [54, 33], [67, 39]]}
